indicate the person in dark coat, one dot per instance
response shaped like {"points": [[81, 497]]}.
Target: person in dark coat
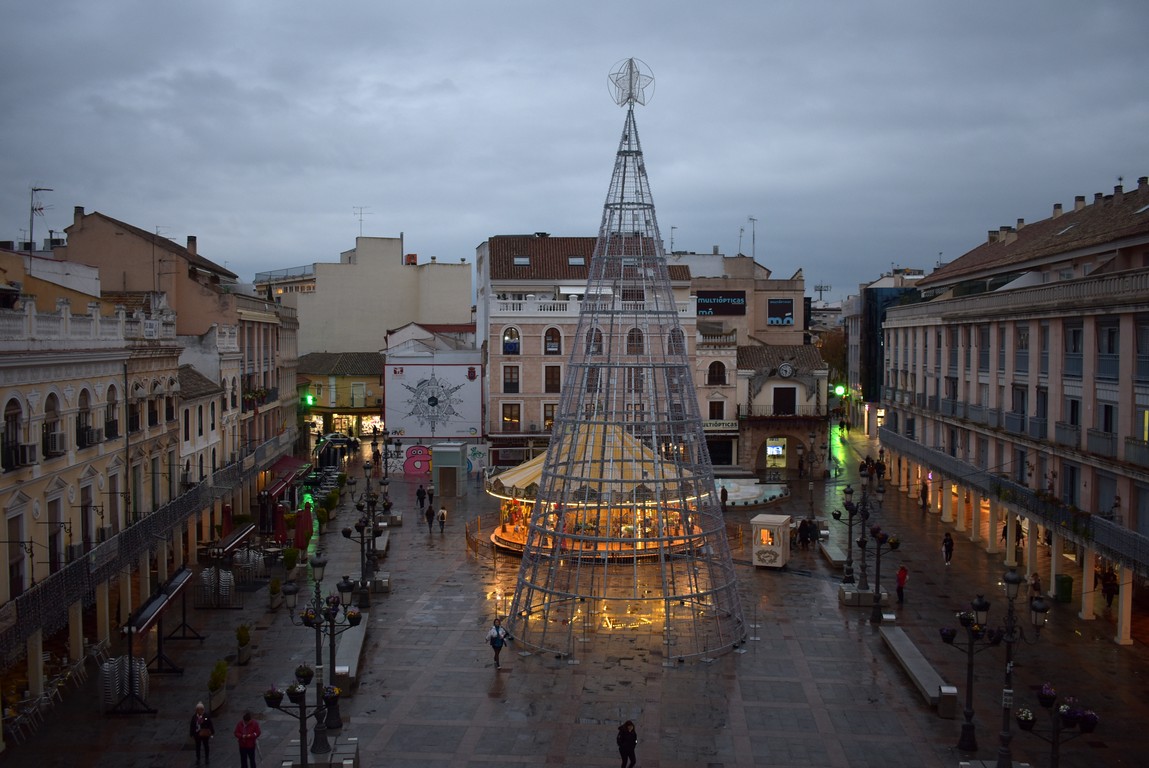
{"points": [[627, 740], [202, 732], [430, 515], [948, 547], [421, 496]]}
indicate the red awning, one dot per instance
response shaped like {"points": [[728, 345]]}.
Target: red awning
{"points": [[288, 465], [278, 487]]}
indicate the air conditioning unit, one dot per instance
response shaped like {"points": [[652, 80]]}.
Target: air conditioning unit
{"points": [[56, 446], [534, 427], [28, 454], [95, 435], [75, 552]]}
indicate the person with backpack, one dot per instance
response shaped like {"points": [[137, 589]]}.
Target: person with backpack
{"points": [[442, 518]]}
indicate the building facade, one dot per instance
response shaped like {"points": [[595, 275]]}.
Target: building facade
{"points": [[1018, 389]]}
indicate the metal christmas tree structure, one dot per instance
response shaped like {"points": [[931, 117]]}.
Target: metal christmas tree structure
{"points": [[626, 538]]}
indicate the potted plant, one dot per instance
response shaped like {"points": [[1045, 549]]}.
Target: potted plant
{"points": [[1069, 711], [304, 674], [1025, 719], [331, 693], [273, 696], [217, 685], [275, 593], [948, 634], [354, 616], [323, 515], [1088, 721], [289, 520], [290, 560], [308, 616], [295, 692], [243, 644], [1047, 695]]}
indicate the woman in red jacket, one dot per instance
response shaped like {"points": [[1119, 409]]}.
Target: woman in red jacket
{"points": [[246, 733]]}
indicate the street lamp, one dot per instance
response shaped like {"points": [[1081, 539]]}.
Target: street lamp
{"points": [[360, 534], [390, 438], [1037, 610], [1066, 715], [861, 509], [297, 695], [321, 615], [881, 539], [974, 623]]}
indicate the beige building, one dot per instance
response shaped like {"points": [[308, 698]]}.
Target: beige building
{"points": [[348, 306], [1018, 388]]}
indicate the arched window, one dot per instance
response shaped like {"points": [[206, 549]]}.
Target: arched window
{"points": [[676, 344], [223, 397], [211, 424], [716, 374], [111, 415], [84, 420], [552, 342], [234, 393], [511, 341], [594, 342], [187, 424], [13, 431], [53, 429], [634, 342], [201, 474], [199, 421], [213, 464]]}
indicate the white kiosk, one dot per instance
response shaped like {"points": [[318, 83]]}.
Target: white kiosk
{"points": [[771, 540]]}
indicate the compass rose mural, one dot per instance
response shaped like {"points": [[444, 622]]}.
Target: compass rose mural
{"points": [[427, 401]]}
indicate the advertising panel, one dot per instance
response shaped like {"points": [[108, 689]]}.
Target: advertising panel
{"points": [[434, 401], [708, 303], [780, 312]]}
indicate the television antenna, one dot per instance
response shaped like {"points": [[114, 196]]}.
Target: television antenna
{"points": [[822, 288], [740, 231], [753, 237], [360, 212]]}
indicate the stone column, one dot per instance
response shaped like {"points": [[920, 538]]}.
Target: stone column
{"points": [[1088, 566], [961, 508], [1010, 539], [993, 537], [103, 612], [1124, 606], [975, 518], [948, 500]]}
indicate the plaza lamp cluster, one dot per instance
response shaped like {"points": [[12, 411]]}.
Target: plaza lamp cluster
{"points": [[1065, 714], [367, 529], [979, 637], [861, 510], [330, 617]]}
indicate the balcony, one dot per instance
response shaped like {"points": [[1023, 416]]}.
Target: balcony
{"points": [[1108, 366], [771, 412], [1068, 435], [544, 308], [718, 340], [1071, 365], [993, 418], [1101, 443], [1038, 428], [976, 413], [947, 407], [1137, 451], [1015, 423], [1141, 372]]}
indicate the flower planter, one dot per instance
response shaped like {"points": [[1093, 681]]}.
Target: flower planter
{"points": [[273, 700], [274, 601], [243, 654], [334, 720], [1026, 725], [1046, 700], [1088, 722], [296, 695], [304, 675], [1069, 719], [216, 698], [948, 635]]}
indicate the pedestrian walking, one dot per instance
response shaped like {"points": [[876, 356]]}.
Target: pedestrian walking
{"points": [[421, 496], [1109, 587], [902, 577], [202, 732], [723, 495], [247, 733], [430, 515], [803, 534], [948, 547], [627, 740], [430, 495], [498, 637], [442, 518], [1035, 585]]}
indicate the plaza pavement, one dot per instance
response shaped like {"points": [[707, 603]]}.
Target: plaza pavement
{"points": [[815, 688]]}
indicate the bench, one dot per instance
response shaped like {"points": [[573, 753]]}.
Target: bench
{"points": [[924, 677], [348, 653], [383, 542], [833, 553], [381, 582]]}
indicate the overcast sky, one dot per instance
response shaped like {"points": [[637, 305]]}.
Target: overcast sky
{"points": [[860, 135]]}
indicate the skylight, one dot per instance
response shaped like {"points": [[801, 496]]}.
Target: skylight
{"points": [[522, 261], [576, 261]]}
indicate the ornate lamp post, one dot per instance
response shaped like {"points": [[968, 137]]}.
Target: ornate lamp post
{"points": [[890, 543], [974, 623], [390, 438], [360, 534], [297, 695], [1063, 716], [1037, 610], [852, 511]]}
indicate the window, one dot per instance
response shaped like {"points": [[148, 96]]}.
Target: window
{"points": [[552, 379], [358, 394], [1073, 411], [511, 341], [633, 294], [1108, 339], [635, 378], [199, 421], [1107, 417], [211, 425], [576, 261], [676, 344], [594, 342], [522, 261], [548, 416], [717, 410], [510, 379], [552, 342], [511, 413], [634, 342], [187, 424], [716, 374], [592, 379], [1074, 344]]}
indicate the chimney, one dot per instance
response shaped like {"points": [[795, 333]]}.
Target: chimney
{"points": [[191, 245], [432, 259], [1020, 224], [1143, 184], [714, 251], [1078, 202], [1118, 194], [1008, 234], [78, 215], [1056, 210], [1098, 198], [993, 236]]}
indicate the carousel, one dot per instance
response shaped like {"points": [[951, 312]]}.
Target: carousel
{"points": [[638, 506]]}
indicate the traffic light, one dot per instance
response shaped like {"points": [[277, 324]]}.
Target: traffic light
{"points": [[308, 400]]}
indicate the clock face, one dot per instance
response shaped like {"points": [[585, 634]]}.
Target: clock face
{"points": [[785, 370]]}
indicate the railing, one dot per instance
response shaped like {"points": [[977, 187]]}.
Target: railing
{"points": [[1072, 365], [976, 413], [1038, 428], [1101, 443], [1015, 423], [1108, 366], [1109, 539], [1067, 434], [771, 412], [46, 604], [1137, 451], [1141, 372], [573, 307], [993, 418]]}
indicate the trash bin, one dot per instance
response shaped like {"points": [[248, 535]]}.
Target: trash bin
{"points": [[1063, 588]]}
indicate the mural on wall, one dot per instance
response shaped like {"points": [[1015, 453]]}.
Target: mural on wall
{"points": [[433, 401]]}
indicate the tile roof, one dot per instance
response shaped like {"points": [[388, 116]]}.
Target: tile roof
{"points": [[549, 258], [194, 385], [1108, 219], [449, 327], [804, 357], [341, 364], [162, 242]]}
